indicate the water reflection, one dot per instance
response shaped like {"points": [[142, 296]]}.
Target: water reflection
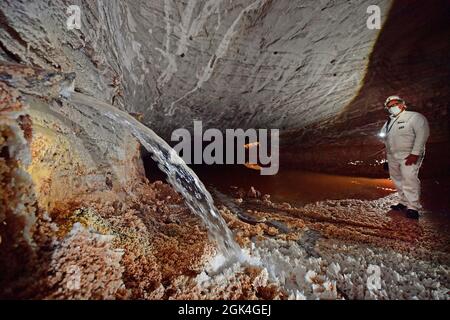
{"points": [[295, 186]]}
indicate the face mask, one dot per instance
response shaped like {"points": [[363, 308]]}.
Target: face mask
{"points": [[394, 110]]}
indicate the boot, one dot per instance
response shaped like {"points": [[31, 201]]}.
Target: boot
{"points": [[412, 214], [398, 207]]}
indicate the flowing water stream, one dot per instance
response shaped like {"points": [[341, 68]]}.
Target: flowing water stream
{"points": [[179, 175]]}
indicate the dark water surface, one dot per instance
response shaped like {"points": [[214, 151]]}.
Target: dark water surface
{"points": [[300, 187], [295, 186]]}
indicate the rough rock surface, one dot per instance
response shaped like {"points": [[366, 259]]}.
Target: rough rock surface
{"points": [[144, 243], [229, 63], [97, 228], [18, 202]]}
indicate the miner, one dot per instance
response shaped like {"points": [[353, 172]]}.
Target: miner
{"points": [[405, 134]]}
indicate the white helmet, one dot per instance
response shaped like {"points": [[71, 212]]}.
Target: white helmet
{"points": [[391, 98]]}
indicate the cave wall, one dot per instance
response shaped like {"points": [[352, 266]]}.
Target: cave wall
{"points": [[49, 165], [311, 68], [74, 151], [283, 64], [18, 201], [78, 219]]}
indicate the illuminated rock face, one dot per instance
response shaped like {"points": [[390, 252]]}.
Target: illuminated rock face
{"points": [[283, 64], [75, 205]]}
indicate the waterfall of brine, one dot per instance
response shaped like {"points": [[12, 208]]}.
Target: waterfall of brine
{"points": [[179, 175]]}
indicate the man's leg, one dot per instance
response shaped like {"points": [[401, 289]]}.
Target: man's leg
{"points": [[396, 177], [411, 184]]}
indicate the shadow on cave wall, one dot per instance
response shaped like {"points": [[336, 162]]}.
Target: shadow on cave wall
{"points": [[411, 58]]}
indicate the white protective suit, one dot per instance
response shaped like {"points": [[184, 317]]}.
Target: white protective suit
{"points": [[406, 134]]}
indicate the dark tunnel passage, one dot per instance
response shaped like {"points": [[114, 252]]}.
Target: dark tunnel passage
{"points": [[407, 60]]}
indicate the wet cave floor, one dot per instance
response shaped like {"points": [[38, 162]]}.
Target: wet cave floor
{"points": [[320, 201], [343, 225]]}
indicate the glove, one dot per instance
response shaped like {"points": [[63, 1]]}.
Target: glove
{"points": [[411, 159]]}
